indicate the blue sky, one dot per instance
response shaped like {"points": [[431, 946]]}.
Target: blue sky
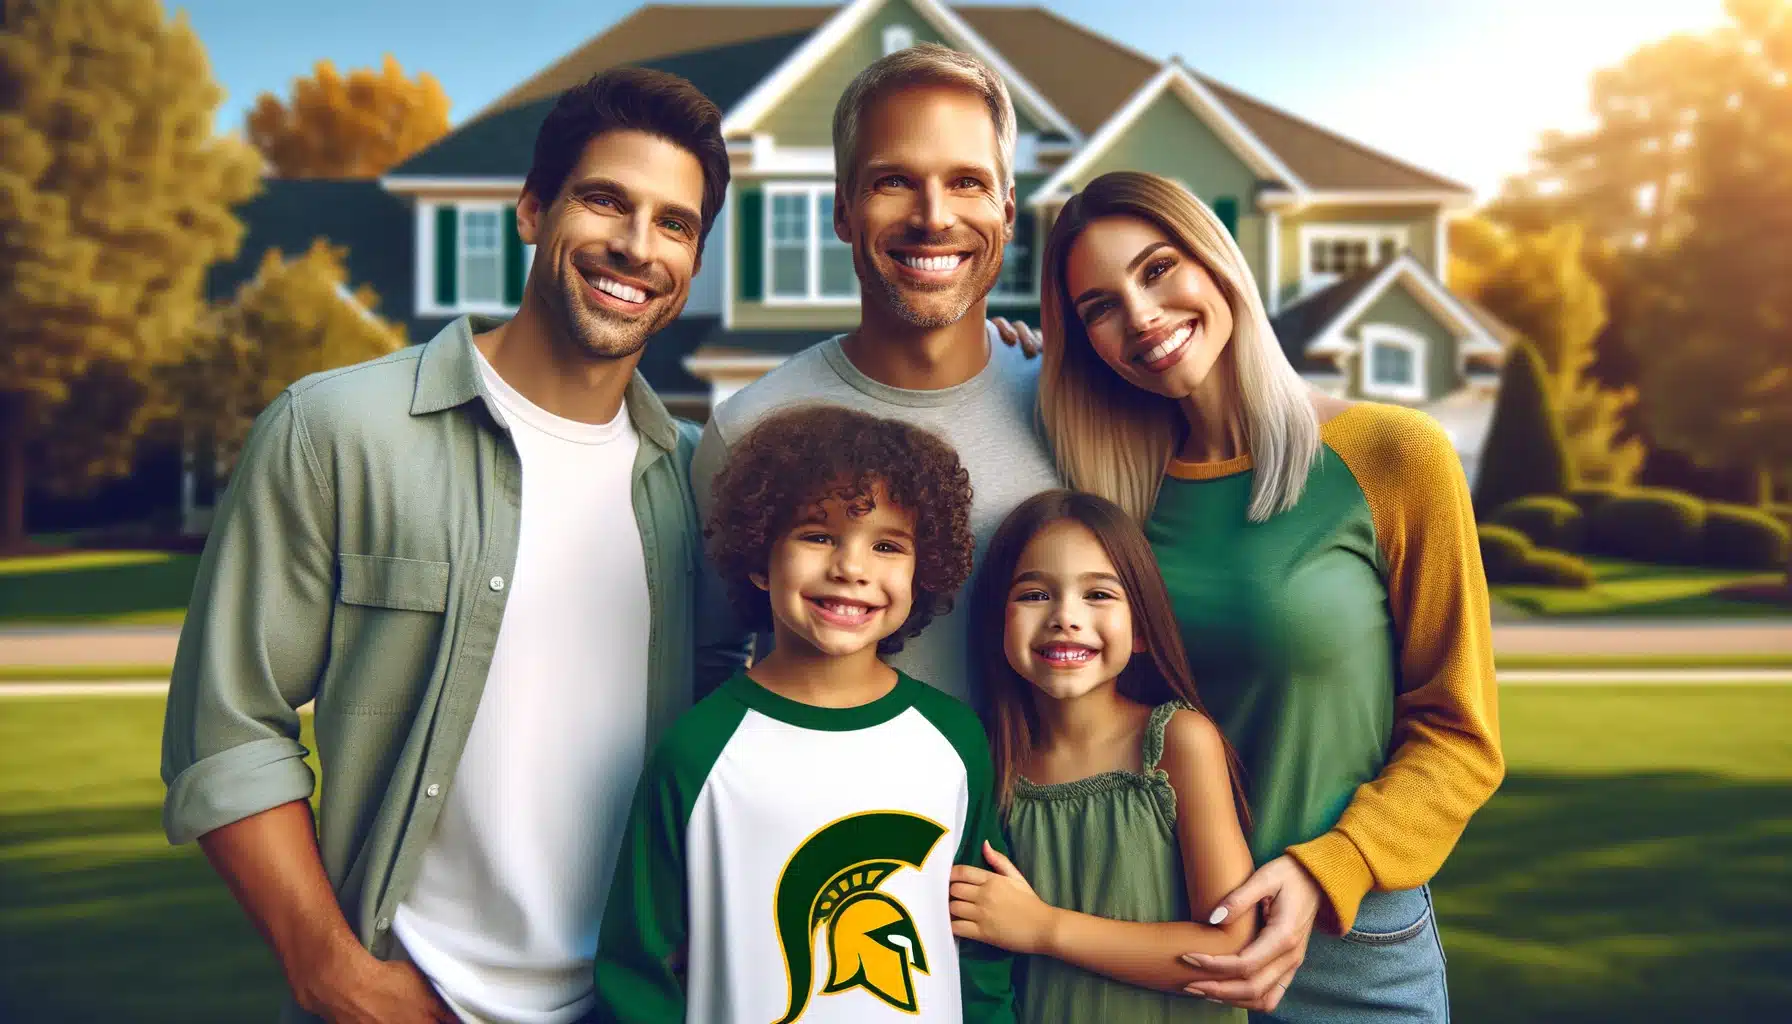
{"points": [[1461, 87]]}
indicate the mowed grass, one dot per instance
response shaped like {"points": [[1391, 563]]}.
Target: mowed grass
{"points": [[1635, 590], [113, 587], [1632, 868]]}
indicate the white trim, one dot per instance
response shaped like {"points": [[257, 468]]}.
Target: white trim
{"points": [[1374, 336], [420, 183], [1279, 197], [706, 366], [1201, 100], [423, 269], [772, 89], [770, 158], [1372, 234], [1433, 295], [1272, 267], [813, 295]]}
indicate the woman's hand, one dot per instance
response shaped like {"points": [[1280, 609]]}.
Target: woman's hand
{"points": [[1259, 976], [1018, 333], [999, 907]]}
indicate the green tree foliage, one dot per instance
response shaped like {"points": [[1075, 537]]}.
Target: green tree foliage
{"points": [[1524, 453], [293, 318], [1538, 283], [357, 125], [116, 197]]}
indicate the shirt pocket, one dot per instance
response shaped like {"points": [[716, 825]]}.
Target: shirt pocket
{"points": [[388, 631]]}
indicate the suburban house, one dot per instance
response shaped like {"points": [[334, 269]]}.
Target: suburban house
{"points": [[1348, 245]]}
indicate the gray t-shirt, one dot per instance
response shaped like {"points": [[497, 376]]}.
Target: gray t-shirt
{"points": [[989, 419]]}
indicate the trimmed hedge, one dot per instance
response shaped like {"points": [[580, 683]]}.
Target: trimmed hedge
{"points": [[1548, 521], [1589, 497], [1525, 452], [1508, 557], [1649, 525], [1739, 537]]}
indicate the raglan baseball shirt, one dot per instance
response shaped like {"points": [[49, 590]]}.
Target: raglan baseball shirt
{"points": [[789, 863]]}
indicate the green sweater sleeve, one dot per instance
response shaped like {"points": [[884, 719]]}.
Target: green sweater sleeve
{"points": [[641, 949], [985, 973]]}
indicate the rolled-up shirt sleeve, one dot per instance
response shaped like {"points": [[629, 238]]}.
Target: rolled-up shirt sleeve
{"points": [[256, 635]]}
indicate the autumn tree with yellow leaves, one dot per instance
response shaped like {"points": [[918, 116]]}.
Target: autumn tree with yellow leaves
{"points": [[294, 317], [115, 196], [357, 125]]}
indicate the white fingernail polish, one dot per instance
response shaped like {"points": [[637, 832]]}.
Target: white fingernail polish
{"points": [[1219, 914]]}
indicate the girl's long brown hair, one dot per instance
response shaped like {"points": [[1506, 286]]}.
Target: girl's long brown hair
{"points": [[1157, 675]]}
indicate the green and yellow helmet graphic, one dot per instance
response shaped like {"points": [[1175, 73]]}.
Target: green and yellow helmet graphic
{"points": [[832, 880]]}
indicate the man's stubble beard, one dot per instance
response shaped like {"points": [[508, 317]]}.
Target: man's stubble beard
{"points": [[958, 299], [596, 333]]}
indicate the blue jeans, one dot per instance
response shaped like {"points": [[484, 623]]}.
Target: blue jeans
{"points": [[1388, 968]]}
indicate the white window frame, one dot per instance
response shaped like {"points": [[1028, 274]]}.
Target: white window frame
{"points": [[463, 211], [812, 294], [1373, 234], [897, 37], [1416, 345]]}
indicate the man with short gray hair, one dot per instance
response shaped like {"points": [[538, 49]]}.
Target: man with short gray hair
{"points": [[924, 157]]}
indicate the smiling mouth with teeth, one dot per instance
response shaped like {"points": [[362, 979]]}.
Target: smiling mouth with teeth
{"points": [[842, 611], [612, 287], [931, 264], [1161, 351], [1067, 655]]}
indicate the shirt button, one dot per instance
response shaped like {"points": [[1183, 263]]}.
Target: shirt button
{"points": [[497, 583], [433, 790], [383, 924]]}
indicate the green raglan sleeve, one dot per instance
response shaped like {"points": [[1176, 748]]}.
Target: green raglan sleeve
{"points": [[642, 942], [985, 973]]}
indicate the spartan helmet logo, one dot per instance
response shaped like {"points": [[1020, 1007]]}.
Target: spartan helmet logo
{"points": [[832, 880]]}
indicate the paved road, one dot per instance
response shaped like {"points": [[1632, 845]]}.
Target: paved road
{"points": [[154, 645]]}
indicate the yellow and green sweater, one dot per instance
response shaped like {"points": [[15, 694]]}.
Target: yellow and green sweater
{"points": [[1345, 648]]}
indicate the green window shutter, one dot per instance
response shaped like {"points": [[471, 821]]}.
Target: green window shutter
{"points": [[1226, 209], [749, 243], [1026, 235], [513, 260], [447, 254]]}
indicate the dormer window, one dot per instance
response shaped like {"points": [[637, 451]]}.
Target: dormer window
{"points": [[898, 37]]}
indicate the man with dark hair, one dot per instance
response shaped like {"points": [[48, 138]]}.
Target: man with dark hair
{"points": [[473, 558]]}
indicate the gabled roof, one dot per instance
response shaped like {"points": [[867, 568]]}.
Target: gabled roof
{"points": [[715, 46], [501, 143], [1313, 328], [824, 41]]}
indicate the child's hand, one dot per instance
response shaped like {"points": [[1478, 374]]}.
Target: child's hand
{"points": [[999, 907]]}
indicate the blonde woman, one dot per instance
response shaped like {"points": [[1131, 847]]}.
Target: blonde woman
{"points": [[1322, 560]]}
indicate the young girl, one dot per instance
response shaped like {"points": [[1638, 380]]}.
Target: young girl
{"points": [[1122, 797]]}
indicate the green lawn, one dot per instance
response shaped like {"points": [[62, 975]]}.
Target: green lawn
{"points": [[118, 587], [1632, 868], [1631, 589]]}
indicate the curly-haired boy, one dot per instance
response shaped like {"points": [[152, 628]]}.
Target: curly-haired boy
{"points": [[790, 849]]}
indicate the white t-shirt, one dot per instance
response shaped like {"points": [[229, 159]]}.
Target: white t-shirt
{"points": [[504, 914]]}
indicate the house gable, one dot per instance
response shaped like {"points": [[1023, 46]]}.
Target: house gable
{"points": [[1397, 319], [818, 72]]}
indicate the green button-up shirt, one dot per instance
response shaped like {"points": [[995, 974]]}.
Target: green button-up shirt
{"points": [[360, 561]]}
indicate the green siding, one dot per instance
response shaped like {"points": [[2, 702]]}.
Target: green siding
{"points": [[513, 260], [749, 243], [1170, 139], [447, 254], [805, 117], [1399, 307], [1420, 223]]}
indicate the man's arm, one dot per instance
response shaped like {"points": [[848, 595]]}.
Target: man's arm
{"points": [[271, 863], [723, 645], [252, 650]]}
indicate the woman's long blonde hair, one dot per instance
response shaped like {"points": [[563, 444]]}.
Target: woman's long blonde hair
{"points": [[1115, 440]]}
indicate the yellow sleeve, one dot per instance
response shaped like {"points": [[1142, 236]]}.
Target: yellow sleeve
{"points": [[1446, 759]]}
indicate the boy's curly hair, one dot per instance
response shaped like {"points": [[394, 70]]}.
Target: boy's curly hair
{"points": [[795, 459]]}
